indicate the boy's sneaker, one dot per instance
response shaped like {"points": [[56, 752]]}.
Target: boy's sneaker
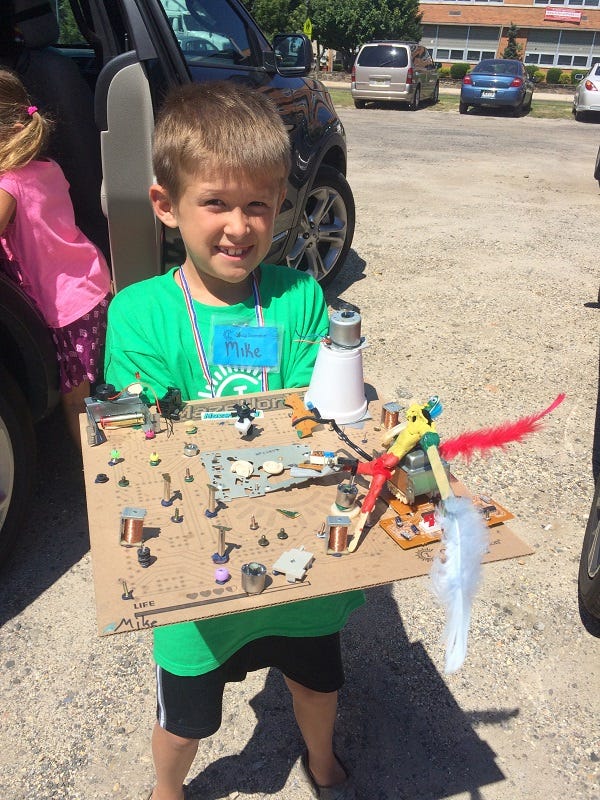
{"points": [[341, 791]]}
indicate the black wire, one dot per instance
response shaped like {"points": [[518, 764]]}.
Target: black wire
{"points": [[339, 432]]}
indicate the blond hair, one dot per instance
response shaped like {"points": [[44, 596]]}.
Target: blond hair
{"points": [[23, 130], [222, 127]]}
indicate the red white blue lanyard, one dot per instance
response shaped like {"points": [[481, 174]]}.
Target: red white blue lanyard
{"points": [[260, 321]]}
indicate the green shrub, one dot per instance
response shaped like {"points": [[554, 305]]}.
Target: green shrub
{"points": [[565, 79], [539, 76], [458, 71], [576, 75], [444, 72], [531, 69], [553, 75]]}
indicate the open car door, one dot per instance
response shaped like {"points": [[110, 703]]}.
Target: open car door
{"points": [[142, 61]]}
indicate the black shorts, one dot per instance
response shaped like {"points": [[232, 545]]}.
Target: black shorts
{"points": [[192, 706]]}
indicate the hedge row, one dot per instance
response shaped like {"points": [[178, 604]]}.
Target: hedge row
{"points": [[553, 76]]}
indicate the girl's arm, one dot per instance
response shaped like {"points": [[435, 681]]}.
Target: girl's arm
{"points": [[8, 205]]}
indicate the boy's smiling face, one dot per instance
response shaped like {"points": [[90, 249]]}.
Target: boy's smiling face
{"points": [[226, 224]]}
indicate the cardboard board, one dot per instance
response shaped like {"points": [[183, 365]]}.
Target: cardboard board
{"points": [[179, 582]]}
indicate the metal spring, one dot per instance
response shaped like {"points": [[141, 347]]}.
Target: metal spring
{"points": [[338, 538], [132, 531]]}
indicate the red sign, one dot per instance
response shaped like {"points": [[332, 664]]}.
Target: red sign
{"points": [[562, 14]]}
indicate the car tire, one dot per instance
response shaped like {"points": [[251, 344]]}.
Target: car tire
{"points": [[416, 100], [580, 116], [17, 461], [589, 569], [360, 103], [326, 227], [463, 108], [597, 167], [436, 94]]}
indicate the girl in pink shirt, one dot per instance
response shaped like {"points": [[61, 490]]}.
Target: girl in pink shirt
{"points": [[64, 273]]}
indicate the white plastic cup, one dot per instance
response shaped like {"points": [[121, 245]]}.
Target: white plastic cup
{"points": [[337, 386]]}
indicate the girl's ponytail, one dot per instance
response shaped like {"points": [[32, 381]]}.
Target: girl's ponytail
{"points": [[23, 130]]}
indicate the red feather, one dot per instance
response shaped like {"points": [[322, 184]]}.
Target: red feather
{"points": [[467, 443]]}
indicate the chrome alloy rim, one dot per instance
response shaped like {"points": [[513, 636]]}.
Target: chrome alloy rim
{"points": [[322, 233]]}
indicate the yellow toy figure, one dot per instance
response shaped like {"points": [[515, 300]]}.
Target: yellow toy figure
{"points": [[419, 424]]}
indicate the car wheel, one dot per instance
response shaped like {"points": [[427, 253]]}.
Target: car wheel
{"points": [[436, 94], [326, 227], [589, 569], [17, 461], [416, 101], [597, 167], [360, 103], [580, 116], [463, 108]]}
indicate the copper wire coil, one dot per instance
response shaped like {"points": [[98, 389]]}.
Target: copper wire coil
{"points": [[389, 419], [338, 538], [132, 531]]}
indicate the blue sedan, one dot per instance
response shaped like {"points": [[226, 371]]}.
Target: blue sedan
{"points": [[497, 82]]}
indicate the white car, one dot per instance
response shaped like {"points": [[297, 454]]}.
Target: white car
{"points": [[586, 99]]}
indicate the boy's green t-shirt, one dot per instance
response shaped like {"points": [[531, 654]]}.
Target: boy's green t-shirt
{"points": [[150, 334]]}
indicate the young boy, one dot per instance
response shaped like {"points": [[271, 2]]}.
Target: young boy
{"points": [[221, 160]]}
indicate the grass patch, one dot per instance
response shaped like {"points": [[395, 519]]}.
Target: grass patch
{"points": [[540, 108]]}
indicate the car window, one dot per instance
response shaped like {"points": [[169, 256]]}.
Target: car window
{"points": [[498, 67], [211, 32], [383, 56]]}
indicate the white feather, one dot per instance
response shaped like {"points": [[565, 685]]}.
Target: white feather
{"points": [[456, 571]]}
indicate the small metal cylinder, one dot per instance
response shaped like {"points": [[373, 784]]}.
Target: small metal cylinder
{"points": [[344, 328], [254, 576], [345, 496]]}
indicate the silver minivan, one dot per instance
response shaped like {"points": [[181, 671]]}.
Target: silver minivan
{"points": [[395, 72]]}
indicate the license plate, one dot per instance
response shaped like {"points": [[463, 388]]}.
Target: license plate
{"points": [[379, 82], [488, 93]]}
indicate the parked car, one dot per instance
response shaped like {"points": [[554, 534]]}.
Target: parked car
{"points": [[394, 71], [597, 167], [102, 81], [588, 583], [586, 99], [497, 83]]}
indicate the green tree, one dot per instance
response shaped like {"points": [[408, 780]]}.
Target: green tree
{"points": [[69, 32], [346, 24], [278, 16], [513, 49]]}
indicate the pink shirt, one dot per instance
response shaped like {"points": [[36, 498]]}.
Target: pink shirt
{"points": [[61, 270]]}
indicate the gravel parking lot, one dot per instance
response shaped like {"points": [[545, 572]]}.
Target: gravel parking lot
{"points": [[475, 267]]}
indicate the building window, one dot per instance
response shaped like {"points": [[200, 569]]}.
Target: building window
{"points": [[566, 48], [587, 3], [461, 42]]}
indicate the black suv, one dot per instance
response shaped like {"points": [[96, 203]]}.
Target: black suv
{"points": [[102, 67]]}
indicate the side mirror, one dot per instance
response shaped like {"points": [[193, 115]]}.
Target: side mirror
{"points": [[293, 54]]}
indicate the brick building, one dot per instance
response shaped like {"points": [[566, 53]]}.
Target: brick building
{"points": [[559, 33]]}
